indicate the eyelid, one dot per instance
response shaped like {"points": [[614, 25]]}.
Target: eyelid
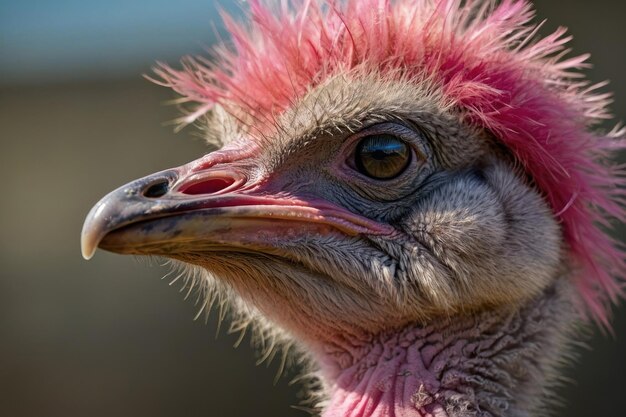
{"points": [[407, 134]]}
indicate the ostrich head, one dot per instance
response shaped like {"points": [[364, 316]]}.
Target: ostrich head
{"points": [[408, 190]]}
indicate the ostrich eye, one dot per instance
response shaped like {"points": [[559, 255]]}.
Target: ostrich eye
{"points": [[382, 156]]}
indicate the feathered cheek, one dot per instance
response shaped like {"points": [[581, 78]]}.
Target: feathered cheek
{"points": [[491, 239]]}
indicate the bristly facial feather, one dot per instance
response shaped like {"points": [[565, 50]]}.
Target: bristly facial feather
{"points": [[469, 231], [408, 190], [482, 58]]}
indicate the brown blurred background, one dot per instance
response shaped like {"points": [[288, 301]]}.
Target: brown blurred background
{"points": [[109, 337]]}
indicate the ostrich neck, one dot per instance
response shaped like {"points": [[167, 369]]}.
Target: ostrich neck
{"points": [[495, 363]]}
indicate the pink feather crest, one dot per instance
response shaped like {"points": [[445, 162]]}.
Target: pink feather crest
{"points": [[489, 64]]}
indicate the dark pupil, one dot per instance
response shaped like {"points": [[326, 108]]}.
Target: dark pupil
{"points": [[382, 156]]}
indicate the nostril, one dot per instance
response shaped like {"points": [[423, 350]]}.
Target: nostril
{"points": [[208, 186], [157, 189]]}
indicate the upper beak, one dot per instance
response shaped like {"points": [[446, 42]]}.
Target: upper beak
{"points": [[195, 208]]}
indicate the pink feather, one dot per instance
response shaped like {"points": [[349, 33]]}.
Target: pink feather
{"points": [[488, 63]]}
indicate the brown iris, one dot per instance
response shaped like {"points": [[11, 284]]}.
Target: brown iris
{"points": [[382, 156]]}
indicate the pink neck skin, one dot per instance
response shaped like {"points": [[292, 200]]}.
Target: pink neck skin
{"points": [[492, 364]]}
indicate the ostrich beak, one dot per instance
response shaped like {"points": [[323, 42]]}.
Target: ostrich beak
{"points": [[194, 209]]}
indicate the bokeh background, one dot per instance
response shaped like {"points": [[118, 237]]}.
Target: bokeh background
{"points": [[109, 337]]}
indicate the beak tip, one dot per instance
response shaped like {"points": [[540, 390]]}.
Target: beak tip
{"points": [[90, 237], [95, 228], [87, 248], [87, 255]]}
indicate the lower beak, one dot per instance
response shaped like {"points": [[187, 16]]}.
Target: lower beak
{"points": [[174, 212]]}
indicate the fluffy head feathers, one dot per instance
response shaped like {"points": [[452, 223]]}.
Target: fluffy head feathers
{"points": [[489, 66]]}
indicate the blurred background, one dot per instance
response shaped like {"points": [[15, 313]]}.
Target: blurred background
{"points": [[109, 337]]}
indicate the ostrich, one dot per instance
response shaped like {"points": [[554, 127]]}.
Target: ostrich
{"points": [[410, 192]]}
